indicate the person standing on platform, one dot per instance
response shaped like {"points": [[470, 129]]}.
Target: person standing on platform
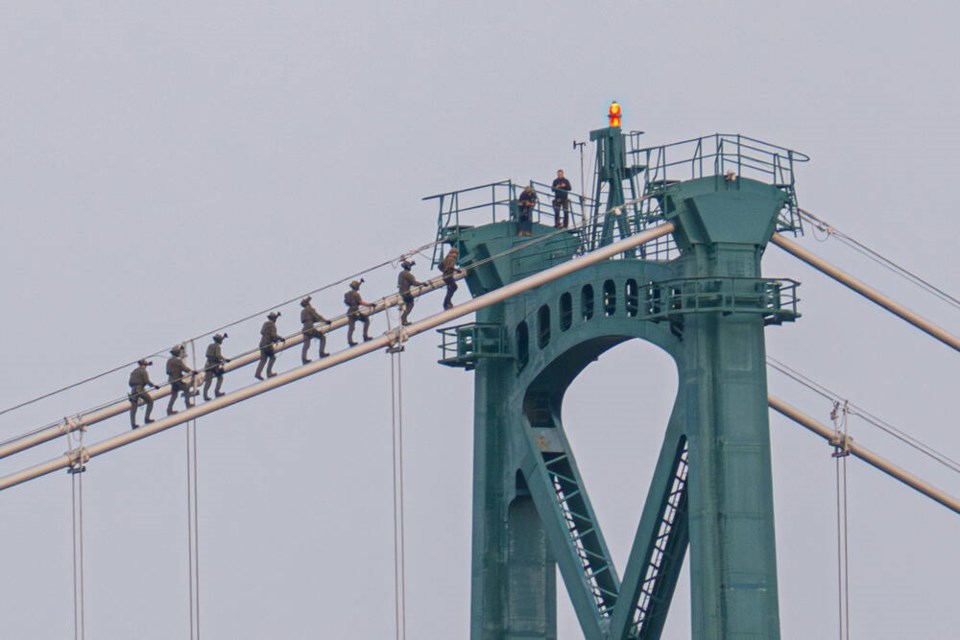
{"points": [[405, 281], [268, 338], [449, 269], [176, 376], [525, 204], [214, 366], [354, 301], [561, 199], [139, 381], [309, 316]]}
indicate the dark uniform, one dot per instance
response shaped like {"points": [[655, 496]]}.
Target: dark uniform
{"points": [[176, 371], [561, 199], [308, 317], [139, 381], [214, 366], [268, 338], [449, 267], [525, 204], [404, 281], [354, 301]]}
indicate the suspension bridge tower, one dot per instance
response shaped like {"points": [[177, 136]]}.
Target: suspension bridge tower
{"points": [[700, 297]]}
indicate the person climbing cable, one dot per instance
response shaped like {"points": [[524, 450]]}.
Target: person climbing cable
{"points": [[214, 366], [268, 339], [176, 376], [308, 317], [405, 281], [449, 269], [354, 301], [139, 381]]}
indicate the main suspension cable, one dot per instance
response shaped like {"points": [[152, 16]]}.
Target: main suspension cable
{"points": [[617, 210], [217, 330]]}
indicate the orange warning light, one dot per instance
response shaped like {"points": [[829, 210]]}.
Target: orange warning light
{"points": [[614, 114]]}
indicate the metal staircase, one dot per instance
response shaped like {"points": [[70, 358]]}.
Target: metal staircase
{"points": [[663, 557]]}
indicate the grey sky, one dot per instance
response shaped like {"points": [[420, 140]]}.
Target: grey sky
{"points": [[166, 168]]}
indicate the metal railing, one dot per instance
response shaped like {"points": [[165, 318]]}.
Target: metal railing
{"points": [[463, 344], [718, 155], [497, 202], [775, 299]]}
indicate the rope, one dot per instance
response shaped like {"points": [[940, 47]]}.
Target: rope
{"points": [[840, 453], [399, 537], [830, 230]]}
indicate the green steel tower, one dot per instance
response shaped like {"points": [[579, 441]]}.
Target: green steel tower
{"points": [[701, 298]]}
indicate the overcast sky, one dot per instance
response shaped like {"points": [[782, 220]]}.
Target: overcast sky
{"points": [[169, 167]]}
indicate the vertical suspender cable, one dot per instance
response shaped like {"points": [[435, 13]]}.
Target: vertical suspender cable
{"points": [[399, 561], [193, 538], [841, 452], [396, 506], [76, 499], [403, 542]]}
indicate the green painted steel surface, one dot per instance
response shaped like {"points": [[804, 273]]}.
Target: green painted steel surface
{"points": [[711, 491]]}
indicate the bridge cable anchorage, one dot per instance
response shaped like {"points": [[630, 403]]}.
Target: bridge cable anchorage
{"points": [[470, 306], [399, 533], [831, 231], [867, 292], [865, 454], [77, 466], [211, 332], [841, 452], [865, 415], [120, 404]]}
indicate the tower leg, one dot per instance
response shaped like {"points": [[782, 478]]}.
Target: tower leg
{"points": [[732, 547], [513, 578]]}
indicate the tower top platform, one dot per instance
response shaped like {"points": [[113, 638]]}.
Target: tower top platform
{"points": [[651, 171]]}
